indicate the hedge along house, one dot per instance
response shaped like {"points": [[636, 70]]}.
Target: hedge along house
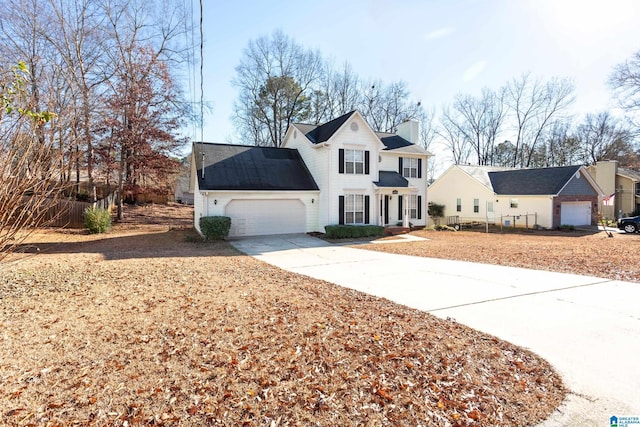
{"points": [[339, 172], [263, 190], [546, 197]]}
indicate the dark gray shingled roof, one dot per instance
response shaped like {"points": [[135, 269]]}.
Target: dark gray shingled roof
{"points": [[532, 181], [322, 133], [243, 167], [393, 141], [391, 179]]}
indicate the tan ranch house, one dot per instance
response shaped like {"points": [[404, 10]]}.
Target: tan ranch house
{"points": [[542, 197]]}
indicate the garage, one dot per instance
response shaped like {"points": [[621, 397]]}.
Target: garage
{"points": [[254, 217], [575, 213]]}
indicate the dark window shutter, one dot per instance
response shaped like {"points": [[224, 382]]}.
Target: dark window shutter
{"points": [[386, 210], [419, 168], [366, 163], [400, 165], [400, 208], [341, 161], [366, 209], [419, 207], [341, 208]]}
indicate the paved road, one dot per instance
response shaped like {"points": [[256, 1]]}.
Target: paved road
{"points": [[587, 327]]}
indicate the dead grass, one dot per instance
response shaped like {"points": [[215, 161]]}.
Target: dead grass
{"points": [[578, 252], [141, 327]]}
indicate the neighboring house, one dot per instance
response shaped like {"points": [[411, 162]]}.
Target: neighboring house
{"points": [[340, 172], [544, 197], [622, 184], [182, 193]]}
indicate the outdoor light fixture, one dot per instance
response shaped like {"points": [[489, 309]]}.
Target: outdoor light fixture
{"points": [[215, 201], [313, 200]]}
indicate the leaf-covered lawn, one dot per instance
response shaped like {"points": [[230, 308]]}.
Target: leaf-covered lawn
{"points": [[145, 328], [591, 254]]}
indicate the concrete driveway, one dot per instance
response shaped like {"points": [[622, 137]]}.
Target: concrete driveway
{"points": [[587, 327]]}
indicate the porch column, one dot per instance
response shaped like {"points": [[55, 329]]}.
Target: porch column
{"points": [[405, 210]]}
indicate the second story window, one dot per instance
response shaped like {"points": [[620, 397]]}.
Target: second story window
{"points": [[354, 161], [410, 167]]}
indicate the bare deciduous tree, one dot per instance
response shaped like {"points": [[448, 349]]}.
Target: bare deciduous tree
{"points": [[605, 137], [29, 166], [273, 77], [534, 105], [625, 81]]}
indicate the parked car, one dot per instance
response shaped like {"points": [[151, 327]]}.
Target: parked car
{"points": [[630, 224]]}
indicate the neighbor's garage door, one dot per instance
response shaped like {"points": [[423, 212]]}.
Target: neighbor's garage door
{"points": [[575, 213], [258, 217]]}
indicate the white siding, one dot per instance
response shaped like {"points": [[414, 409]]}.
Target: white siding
{"points": [[323, 163], [317, 160]]}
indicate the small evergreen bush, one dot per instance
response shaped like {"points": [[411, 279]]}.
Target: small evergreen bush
{"points": [[97, 220], [352, 231], [215, 227], [566, 228]]}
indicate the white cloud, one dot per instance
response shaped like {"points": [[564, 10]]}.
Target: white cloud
{"points": [[473, 71], [438, 34]]}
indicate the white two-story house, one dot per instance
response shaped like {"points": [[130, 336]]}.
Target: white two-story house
{"points": [[339, 172]]}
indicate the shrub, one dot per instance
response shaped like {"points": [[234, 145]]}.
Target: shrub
{"points": [[97, 220], [215, 227], [566, 227], [353, 231]]}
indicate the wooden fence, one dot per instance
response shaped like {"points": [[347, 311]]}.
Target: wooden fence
{"points": [[70, 214]]}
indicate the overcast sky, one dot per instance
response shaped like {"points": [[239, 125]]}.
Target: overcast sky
{"points": [[439, 48]]}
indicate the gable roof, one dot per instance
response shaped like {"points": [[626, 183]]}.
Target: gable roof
{"points": [[322, 133], [539, 181], [243, 167], [318, 134]]}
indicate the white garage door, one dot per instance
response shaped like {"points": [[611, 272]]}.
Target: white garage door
{"points": [[258, 217], [575, 213]]}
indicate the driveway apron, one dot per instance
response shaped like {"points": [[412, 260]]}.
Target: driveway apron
{"points": [[587, 327]]}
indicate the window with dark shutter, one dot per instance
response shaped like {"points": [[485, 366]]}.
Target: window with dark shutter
{"points": [[419, 207], [419, 168], [341, 208]]}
